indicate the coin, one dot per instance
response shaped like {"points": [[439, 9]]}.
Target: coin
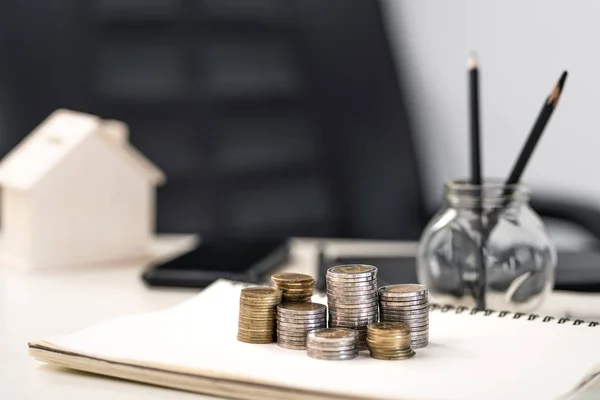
{"points": [[260, 292], [292, 278], [291, 346], [395, 305], [295, 320], [256, 315], [353, 270], [301, 309], [403, 290], [409, 304], [332, 344], [389, 340]]}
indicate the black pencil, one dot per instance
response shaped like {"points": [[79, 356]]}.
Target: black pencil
{"points": [[478, 289], [536, 132], [475, 122]]}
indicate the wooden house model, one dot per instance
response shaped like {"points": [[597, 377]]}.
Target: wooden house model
{"points": [[76, 192]]}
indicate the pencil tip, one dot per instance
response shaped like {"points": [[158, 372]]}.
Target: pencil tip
{"points": [[472, 62], [556, 91], [561, 81]]}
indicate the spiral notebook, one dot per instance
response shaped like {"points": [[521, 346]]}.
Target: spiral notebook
{"points": [[471, 355]]}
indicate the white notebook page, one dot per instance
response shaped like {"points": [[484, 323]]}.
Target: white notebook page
{"points": [[469, 356]]}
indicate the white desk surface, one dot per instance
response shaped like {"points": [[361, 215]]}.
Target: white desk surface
{"points": [[37, 304]]}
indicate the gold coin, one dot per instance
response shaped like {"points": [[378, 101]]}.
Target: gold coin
{"points": [[291, 277], [297, 290], [256, 341], [392, 352], [385, 357], [261, 292], [388, 327]]}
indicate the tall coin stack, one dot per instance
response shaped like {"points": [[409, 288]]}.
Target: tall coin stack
{"points": [[352, 298], [256, 320], [407, 303], [332, 344], [294, 320], [296, 288], [389, 341]]}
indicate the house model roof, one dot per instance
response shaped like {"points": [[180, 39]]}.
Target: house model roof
{"points": [[60, 134]]}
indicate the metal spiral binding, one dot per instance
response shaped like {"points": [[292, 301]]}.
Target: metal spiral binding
{"points": [[509, 314]]}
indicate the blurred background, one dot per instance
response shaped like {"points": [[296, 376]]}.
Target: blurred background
{"points": [[338, 118]]}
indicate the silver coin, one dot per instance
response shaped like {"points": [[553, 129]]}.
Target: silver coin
{"points": [[370, 304], [336, 354], [352, 269], [302, 323], [299, 328], [410, 322], [352, 299], [353, 318], [301, 308], [408, 316], [316, 315], [419, 345], [339, 351], [291, 340], [353, 290], [289, 332], [404, 290], [291, 346], [351, 283], [349, 324], [401, 297], [415, 323], [372, 308], [353, 312], [332, 358], [351, 294], [402, 301], [407, 313], [300, 320], [397, 306], [418, 327], [318, 347]]}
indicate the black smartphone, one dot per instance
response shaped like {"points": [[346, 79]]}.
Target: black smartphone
{"points": [[245, 260]]}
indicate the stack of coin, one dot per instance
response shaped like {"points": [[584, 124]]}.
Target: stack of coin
{"points": [[332, 344], [352, 298], [389, 341], [296, 288], [256, 323], [407, 303], [294, 320]]}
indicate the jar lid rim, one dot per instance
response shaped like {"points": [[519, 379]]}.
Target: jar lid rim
{"points": [[464, 184]]}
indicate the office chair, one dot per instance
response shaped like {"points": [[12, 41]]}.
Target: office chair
{"points": [[270, 117]]}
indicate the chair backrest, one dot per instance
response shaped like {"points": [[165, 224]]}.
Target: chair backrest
{"points": [[270, 117]]}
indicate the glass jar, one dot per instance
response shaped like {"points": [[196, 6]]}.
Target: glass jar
{"points": [[486, 248]]}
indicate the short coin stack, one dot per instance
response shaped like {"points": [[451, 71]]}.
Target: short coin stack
{"points": [[296, 288], [332, 344], [352, 298], [256, 323], [294, 320], [407, 303], [389, 341]]}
